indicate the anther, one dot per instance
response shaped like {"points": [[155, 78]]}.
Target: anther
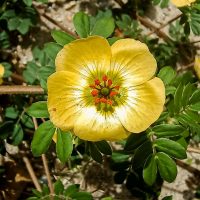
{"points": [[92, 86], [117, 87], [97, 100], [105, 78], [109, 82], [113, 93], [103, 100], [109, 102], [97, 82], [94, 93]]}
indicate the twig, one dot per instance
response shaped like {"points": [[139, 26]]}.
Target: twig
{"points": [[194, 42], [193, 150], [32, 173], [46, 168], [188, 167], [20, 89], [17, 78], [166, 24], [43, 14], [186, 67], [120, 2], [151, 26]]}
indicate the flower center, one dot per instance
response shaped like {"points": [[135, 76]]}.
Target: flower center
{"points": [[105, 93]]}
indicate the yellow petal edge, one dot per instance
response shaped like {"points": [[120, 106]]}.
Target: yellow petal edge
{"points": [[181, 3]]}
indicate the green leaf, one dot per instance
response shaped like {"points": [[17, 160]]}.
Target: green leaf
{"points": [[150, 170], [58, 187], [27, 121], [52, 50], [195, 97], [178, 98], [103, 27], [82, 24], [61, 37], [166, 166], [195, 107], [168, 130], [6, 129], [28, 2], [187, 92], [141, 154], [13, 23], [11, 113], [167, 198], [119, 157], [17, 135], [71, 190], [38, 110], [134, 141], [107, 198], [171, 148], [42, 138], [81, 196], [104, 147], [30, 73], [170, 90], [24, 26], [43, 74], [194, 22], [113, 40], [37, 193], [64, 145], [167, 74], [94, 153]]}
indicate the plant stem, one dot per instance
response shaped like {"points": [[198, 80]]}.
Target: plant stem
{"points": [[32, 173], [43, 14], [46, 169], [20, 89], [193, 150], [188, 167], [166, 24], [45, 164], [150, 25]]}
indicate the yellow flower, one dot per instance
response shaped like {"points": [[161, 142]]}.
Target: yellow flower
{"points": [[181, 3], [2, 70], [197, 66], [104, 92]]}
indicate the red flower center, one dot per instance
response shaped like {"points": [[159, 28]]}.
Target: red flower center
{"points": [[104, 91]]}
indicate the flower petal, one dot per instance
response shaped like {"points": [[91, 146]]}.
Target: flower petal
{"points": [[143, 107], [93, 126], [181, 3], [2, 70], [197, 66], [133, 61], [64, 98], [85, 56]]}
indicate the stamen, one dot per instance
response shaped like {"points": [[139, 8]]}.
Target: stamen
{"points": [[97, 100], [94, 93], [103, 100], [103, 92], [97, 82], [109, 82], [109, 102], [117, 87], [113, 93], [92, 86], [105, 78]]}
